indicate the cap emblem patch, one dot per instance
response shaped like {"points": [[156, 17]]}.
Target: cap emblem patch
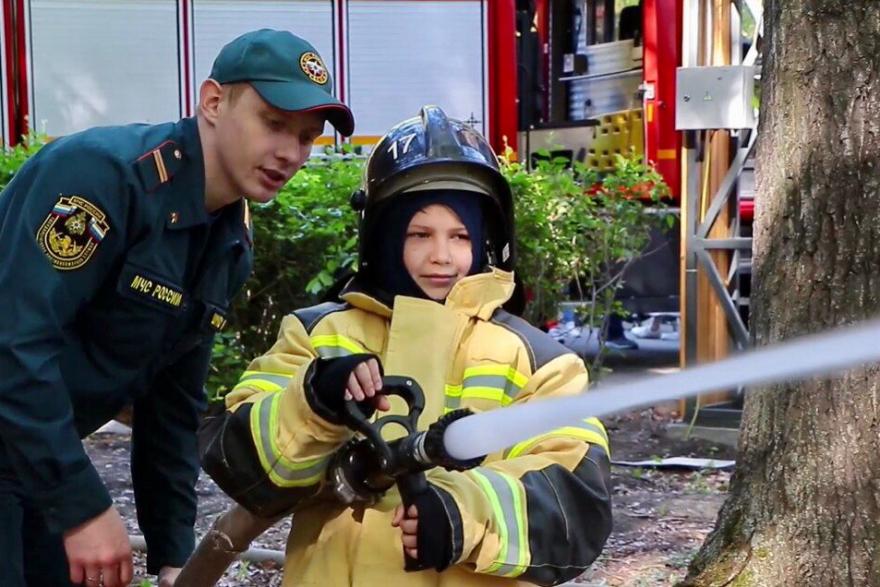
{"points": [[313, 67]]}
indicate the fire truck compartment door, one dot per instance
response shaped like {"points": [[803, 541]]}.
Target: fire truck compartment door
{"points": [[100, 62], [405, 54]]}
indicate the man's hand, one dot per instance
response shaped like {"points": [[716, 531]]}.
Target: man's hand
{"points": [[99, 553], [365, 382], [168, 575], [409, 524]]}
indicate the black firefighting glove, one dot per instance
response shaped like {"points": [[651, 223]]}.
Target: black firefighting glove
{"points": [[439, 524], [325, 390]]}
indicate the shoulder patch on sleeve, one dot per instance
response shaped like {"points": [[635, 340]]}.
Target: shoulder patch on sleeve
{"points": [[157, 166], [542, 349], [71, 232], [312, 315]]}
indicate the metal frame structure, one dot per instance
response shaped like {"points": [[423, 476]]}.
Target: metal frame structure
{"points": [[698, 244], [696, 233]]}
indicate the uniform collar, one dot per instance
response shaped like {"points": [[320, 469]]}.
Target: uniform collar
{"points": [[187, 208], [476, 295], [186, 205]]}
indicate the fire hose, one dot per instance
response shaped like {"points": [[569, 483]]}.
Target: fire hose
{"points": [[367, 466]]}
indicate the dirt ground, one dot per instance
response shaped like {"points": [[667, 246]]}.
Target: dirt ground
{"points": [[660, 516]]}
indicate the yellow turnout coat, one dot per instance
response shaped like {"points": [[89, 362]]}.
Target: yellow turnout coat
{"points": [[537, 512]]}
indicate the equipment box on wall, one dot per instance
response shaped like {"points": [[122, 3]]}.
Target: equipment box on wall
{"points": [[715, 97]]}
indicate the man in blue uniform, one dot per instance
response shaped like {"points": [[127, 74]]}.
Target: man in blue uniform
{"points": [[122, 249]]}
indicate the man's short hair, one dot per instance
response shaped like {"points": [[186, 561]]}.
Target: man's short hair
{"points": [[232, 92]]}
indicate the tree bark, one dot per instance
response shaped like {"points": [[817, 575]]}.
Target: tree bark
{"points": [[804, 505]]}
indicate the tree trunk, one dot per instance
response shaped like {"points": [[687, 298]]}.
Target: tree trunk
{"points": [[804, 505]]}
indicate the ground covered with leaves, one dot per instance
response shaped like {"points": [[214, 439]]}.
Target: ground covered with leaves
{"points": [[660, 516]]}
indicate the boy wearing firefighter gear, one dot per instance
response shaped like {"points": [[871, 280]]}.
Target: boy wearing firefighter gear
{"points": [[125, 246], [436, 261]]}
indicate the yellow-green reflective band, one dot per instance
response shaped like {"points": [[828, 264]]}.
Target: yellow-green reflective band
{"points": [[282, 471], [263, 381], [503, 384], [488, 393], [500, 383], [497, 383], [596, 424], [507, 500], [590, 431], [266, 386], [505, 371], [453, 390], [453, 398], [331, 346]]}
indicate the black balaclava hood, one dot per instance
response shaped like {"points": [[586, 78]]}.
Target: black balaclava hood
{"points": [[387, 272]]}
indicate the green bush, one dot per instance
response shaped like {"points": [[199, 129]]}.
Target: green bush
{"points": [[577, 227], [12, 158], [302, 240], [574, 226]]}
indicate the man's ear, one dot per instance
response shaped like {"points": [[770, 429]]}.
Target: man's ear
{"points": [[210, 99]]}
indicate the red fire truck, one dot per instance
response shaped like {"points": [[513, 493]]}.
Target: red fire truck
{"points": [[70, 64], [588, 77], [592, 77]]}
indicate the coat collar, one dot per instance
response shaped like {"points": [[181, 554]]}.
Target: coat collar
{"points": [[477, 295], [481, 294]]}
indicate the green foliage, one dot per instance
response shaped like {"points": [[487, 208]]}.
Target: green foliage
{"points": [[574, 226], [549, 202], [620, 4], [242, 573], [12, 158], [579, 230], [230, 357], [302, 239]]}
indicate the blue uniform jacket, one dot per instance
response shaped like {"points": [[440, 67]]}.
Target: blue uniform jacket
{"points": [[113, 281]]}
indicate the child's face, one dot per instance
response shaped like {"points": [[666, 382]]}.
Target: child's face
{"points": [[437, 250]]}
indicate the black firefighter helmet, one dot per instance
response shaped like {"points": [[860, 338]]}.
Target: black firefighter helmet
{"points": [[431, 151]]}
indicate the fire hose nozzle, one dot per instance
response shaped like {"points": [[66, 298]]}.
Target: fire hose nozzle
{"points": [[367, 467], [425, 450]]}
